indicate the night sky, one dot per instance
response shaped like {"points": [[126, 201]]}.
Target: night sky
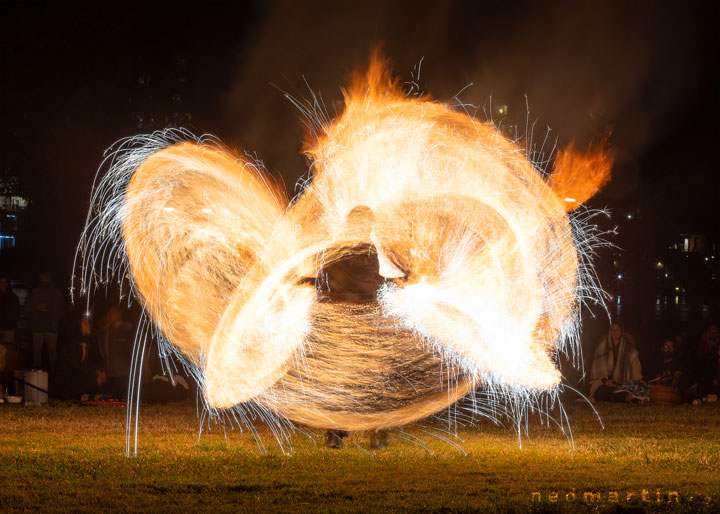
{"points": [[78, 77]]}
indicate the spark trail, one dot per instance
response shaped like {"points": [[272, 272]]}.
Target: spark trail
{"points": [[426, 257]]}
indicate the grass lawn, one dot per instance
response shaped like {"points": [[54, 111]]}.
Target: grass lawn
{"points": [[61, 458]]}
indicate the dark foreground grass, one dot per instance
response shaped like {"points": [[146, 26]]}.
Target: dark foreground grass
{"points": [[71, 458]]}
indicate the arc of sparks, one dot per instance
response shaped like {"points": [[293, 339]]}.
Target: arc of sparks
{"points": [[463, 265]]}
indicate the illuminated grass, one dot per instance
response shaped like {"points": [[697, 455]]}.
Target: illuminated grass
{"points": [[72, 458]]}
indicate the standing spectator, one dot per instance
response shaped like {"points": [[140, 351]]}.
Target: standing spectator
{"points": [[115, 339], [83, 367], [9, 311], [45, 304]]}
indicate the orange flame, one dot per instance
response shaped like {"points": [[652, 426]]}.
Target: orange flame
{"points": [[578, 176]]}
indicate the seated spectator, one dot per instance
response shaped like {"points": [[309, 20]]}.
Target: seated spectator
{"points": [[668, 367], [708, 343], [709, 386], [616, 371], [671, 370]]}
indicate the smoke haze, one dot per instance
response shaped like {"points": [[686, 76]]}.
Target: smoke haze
{"points": [[585, 68]]}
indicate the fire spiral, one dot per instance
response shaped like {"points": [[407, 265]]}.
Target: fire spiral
{"points": [[425, 258]]}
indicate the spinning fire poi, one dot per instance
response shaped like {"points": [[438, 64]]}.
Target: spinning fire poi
{"points": [[426, 257]]}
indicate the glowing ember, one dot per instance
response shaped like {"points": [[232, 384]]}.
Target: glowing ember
{"points": [[426, 257]]}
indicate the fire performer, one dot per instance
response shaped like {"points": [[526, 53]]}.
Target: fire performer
{"points": [[425, 256]]}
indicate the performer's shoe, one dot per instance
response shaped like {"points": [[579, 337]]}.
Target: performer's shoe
{"points": [[379, 439], [334, 439]]}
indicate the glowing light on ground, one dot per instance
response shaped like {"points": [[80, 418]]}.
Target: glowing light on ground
{"points": [[475, 267]]}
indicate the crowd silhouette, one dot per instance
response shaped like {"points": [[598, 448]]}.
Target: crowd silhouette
{"points": [[86, 351], [87, 354], [678, 370]]}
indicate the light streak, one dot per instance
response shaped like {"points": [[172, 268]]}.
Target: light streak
{"points": [[480, 266]]}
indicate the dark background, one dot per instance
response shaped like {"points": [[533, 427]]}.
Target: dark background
{"points": [[77, 77]]}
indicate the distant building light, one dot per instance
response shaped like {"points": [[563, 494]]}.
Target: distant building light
{"points": [[13, 202], [659, 265], [677, 288], [629, 216], [619, 276], [7, 242]]}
